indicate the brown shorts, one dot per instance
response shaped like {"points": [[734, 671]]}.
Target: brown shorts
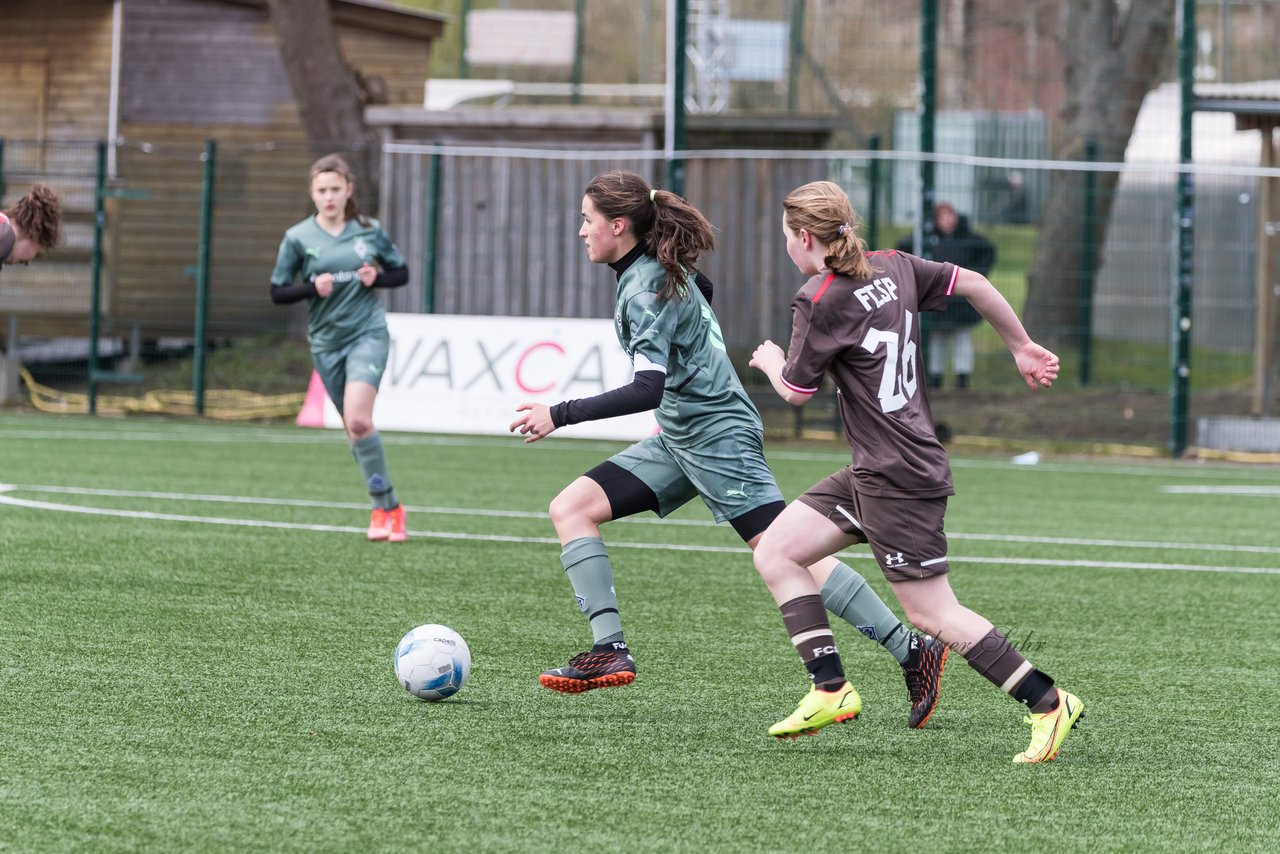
{"points": [[905, 534]]}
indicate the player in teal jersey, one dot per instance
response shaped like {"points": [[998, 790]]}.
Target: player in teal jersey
{"points": [[30, 226], [711, 445], [333, 259]]}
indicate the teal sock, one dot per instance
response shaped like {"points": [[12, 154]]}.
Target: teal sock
{"points": [[587, 565], [373, 465], [847, 595]]}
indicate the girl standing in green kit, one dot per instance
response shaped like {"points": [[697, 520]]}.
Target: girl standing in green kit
{"points": [[335, 259]]}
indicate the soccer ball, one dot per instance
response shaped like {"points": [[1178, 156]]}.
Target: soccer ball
{"points": [[432, 662]]}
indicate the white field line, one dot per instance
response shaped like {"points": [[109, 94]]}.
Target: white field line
{"points": [[182, 433], [306, 437], [632, 520], [331, 505], [1262, 491], [11, 500]]}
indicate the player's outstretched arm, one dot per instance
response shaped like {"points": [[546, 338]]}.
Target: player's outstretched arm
{"points": [[642, 394], [535, 423], [770, 359], [1038, 366]]}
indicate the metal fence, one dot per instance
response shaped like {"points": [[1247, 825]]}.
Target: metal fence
{"points": [[493, 232]]}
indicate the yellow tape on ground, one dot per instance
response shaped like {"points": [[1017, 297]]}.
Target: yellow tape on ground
{"points": [[222, 404]]}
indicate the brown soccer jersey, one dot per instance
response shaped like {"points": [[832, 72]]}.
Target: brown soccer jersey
{"points": [[866, 333]]}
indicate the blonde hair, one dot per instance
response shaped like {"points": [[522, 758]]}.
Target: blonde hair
{"points": [[336, 164], [824, 210], [668, 227]]}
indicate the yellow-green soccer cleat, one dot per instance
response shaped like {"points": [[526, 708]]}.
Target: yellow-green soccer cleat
{"points": [[817, 709], [1050, 729]]}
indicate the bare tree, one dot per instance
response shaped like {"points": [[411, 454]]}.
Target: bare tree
{"points": [[957, 83], [328, 92], [1115, 52]]}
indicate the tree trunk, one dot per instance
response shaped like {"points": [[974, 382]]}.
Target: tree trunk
{"points": [[326, 89], [1115, 53], [957, 85]]}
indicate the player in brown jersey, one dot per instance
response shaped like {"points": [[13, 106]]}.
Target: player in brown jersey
{"points": [[857, 318], [30, 226]]}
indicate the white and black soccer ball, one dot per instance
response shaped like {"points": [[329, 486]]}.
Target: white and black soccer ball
{"points": [[432, 662]]}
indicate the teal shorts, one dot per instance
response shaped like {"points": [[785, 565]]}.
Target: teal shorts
{"points": [[361, 361], [727, 471]]}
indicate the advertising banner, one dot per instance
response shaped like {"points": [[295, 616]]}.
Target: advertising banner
{"points": [[466, 374]]}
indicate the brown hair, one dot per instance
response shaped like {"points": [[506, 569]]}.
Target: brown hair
{"points": [[670, 229], [823, 209], [38, 215], [336, 163]]}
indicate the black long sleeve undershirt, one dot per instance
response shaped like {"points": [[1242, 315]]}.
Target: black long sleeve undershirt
{"points": [[280, 294], [704, 284], [643, 393], [393, 278]]}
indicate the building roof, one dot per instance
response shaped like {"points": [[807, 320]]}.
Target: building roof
{"points": [[1255, 103], [377, 15]]}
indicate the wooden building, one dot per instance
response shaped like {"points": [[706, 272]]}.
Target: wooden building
{"points": [[1256, 106], [505, 239], [159, 77]]}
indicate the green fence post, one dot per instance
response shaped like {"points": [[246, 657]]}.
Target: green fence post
{"points": [[209, 156], [679, 37], [464, 69], [3, 188], [797, 52], [432, 235], [95, 288], [579, 43], [928, 104], [1088, 251], [873, 193], [1180, 349], [928, 100]]}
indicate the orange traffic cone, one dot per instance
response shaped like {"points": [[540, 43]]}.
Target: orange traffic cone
{"points": [[312, 412]]}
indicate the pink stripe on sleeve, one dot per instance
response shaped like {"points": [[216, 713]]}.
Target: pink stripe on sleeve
{"points": [[796, 388], [951, 285]]}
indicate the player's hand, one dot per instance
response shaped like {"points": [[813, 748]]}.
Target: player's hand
{"points": [[367, 274], [1037, 365], [535, 423], [768, 357], [324, 285]]}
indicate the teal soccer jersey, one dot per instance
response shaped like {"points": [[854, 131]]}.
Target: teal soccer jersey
{"points": [[352, 309], [703, 396]]}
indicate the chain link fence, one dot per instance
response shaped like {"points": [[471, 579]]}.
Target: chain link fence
{"points": [[492, 230], [505, 243]]}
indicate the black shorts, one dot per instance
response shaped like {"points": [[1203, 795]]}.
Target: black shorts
{"points": [[905, 534]]}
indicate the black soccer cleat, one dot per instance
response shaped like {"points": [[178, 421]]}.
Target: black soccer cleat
{"points": [[923, 672], [587, 670]]}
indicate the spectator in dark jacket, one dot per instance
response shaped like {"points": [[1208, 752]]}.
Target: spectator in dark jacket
{"points": [[949, 331]]}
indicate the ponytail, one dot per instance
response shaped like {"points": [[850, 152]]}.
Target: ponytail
{"points": [[670, 229], [824, 210]]}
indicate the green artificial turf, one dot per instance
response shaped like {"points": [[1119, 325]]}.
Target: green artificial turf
{"points": [[202, 683]]}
